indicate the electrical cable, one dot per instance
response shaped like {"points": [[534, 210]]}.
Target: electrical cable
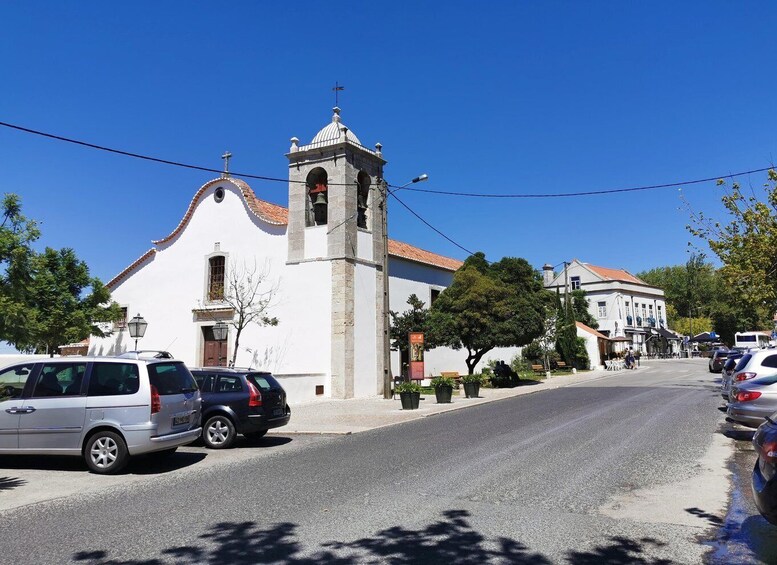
{"points": [[427, 191], [428, 224], [588, 193]]}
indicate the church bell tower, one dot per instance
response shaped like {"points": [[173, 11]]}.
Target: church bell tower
{"points": [[336, 203]]}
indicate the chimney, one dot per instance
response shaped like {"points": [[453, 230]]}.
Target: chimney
{"points": [[547, 274]]}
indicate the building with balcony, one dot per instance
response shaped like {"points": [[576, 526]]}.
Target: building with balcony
{"points": [[623, 305]]}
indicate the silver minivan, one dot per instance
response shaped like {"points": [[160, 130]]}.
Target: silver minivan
{"points": [[104, 409]]}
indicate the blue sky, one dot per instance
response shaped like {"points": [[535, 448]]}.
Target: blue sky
{"points": [[497, 97]]}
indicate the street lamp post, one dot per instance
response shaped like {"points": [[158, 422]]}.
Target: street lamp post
{"points": [[220, 334], [137, 328], [386, 318]]}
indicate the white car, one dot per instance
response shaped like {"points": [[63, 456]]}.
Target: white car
{"points": [[754, 364]]}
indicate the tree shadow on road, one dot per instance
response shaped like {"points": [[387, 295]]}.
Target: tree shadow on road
{"points": [[451, 539], [8, 483]]}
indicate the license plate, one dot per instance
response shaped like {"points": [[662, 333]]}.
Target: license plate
{"points": [[277, 412], [182, 419]]}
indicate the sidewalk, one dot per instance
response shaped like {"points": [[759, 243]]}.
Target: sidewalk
{"points": [[328, 416]]}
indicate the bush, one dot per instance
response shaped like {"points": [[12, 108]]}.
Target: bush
{"points": [[408, 386], [439, 382]]}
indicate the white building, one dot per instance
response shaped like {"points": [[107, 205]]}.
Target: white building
{"points": [[324, 257], [622, 304]]}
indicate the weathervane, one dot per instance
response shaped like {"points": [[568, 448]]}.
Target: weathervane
{"points": [[226, 156], [337, 90]]}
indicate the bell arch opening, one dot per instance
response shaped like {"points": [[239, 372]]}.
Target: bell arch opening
{"points": [[363, 182], [317, 183]]}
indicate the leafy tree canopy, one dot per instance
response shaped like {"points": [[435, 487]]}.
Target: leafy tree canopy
{"points": [[60, 308], [747, 247], [692, 289], [17, 233], [44, 297], [413, 320], [500, 304]]}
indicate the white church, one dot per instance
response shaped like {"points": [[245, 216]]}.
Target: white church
{"points": [[323, 258]]}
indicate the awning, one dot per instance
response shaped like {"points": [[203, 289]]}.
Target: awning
{"points": [[705, 337], [666, 334]]}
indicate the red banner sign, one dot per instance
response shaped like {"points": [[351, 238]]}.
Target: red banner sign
{"points": [[416, 340]]}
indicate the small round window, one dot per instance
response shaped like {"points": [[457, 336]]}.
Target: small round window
{"points": [[219, 194]]}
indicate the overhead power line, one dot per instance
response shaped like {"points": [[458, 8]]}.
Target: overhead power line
{"points": [[391, 193], [590, 192], [428, 191]]}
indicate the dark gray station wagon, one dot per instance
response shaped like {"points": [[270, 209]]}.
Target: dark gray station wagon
{"points": [[239, 401], [104, 409]]}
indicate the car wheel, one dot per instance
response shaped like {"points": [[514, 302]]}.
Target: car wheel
{"points": [[106, 453], [218, 432], [254, 436]]}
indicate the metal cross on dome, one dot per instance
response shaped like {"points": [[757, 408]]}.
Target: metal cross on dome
{"points": [[226, 156], [337, 88]]}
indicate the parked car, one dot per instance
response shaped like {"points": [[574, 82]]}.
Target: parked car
{"points": [[755, 363], [763, 480], [727, 373], [750, 402], [717, 360], [239, 401], [104, 409]]}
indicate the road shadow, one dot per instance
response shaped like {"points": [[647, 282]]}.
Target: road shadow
{"points": [[711, 518], [139, 465], [153, 464], [242, 442], [739, 435], [8, 483], [451, 539]]}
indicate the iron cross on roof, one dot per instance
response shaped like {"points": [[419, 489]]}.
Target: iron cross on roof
{"points": [[226, 156], [337, 90]]}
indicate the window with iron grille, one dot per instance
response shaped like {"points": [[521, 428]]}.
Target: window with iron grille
{"points": [[216, 278]]}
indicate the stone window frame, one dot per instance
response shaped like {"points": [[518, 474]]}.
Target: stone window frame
{"points": [[208, 276]]}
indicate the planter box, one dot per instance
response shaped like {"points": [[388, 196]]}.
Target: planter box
{"points": [[410, 400], [472, 390], [443, 394]]}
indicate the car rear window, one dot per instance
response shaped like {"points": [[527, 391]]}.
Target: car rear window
{"points": [[770, 361], [171, 378], [743, 362], [265, 381]]}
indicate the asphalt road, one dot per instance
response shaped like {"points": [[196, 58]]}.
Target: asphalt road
{"points": [[631, 468]]}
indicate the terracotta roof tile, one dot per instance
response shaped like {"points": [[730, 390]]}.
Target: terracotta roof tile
{"points": [[407, 251], [614, 274], [590, 330]]}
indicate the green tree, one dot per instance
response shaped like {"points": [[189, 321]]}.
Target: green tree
{"points": [[580, 309], [691, 326], [60, 308], [566, 333], [691, 290], [413, 320], [490, 305], [746, 246], [17, 233]]}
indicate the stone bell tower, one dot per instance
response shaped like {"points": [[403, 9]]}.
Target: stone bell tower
{"points": [[335, 218]]}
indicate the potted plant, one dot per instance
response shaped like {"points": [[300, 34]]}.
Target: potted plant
{"points": [[472, 385], [443, 389], [409, 394]]}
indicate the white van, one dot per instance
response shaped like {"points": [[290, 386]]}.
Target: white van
{"points": [[747, 340], [104, 409]]}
